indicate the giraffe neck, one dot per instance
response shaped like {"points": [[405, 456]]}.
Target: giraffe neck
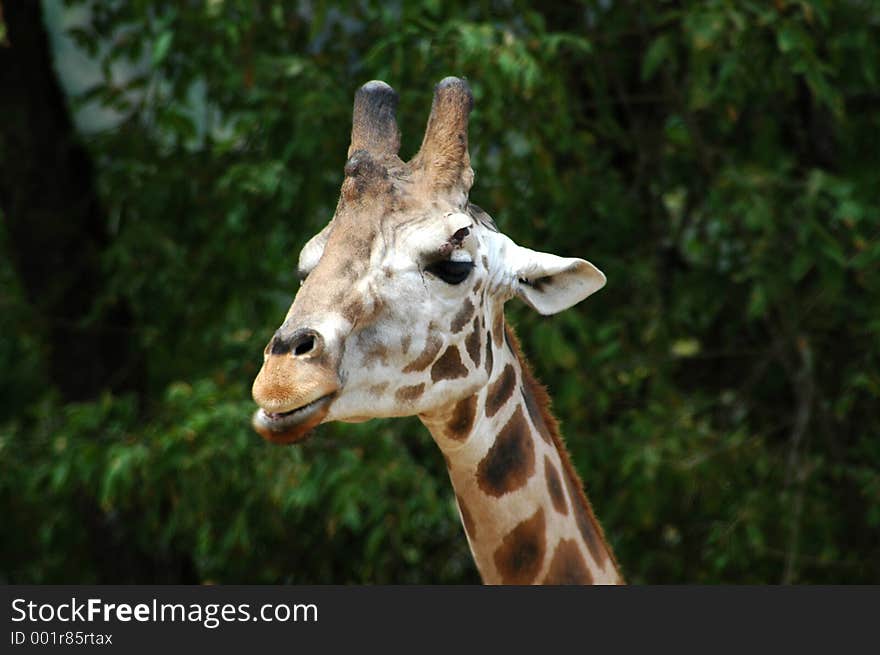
{"points": [[524, 512]]}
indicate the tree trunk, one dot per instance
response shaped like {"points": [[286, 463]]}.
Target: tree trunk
{"points": [[56, 227]]}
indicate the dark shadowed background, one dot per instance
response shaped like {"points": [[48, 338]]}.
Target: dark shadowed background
{"points": [[162, 162]]}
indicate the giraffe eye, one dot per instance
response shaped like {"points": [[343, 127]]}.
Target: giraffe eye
{"points": [[451, 272]]}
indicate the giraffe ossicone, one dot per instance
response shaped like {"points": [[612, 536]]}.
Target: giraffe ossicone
{"points": [[401, 312]]}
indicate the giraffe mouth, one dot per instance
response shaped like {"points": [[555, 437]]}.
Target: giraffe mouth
{"points": [[294, 425]]}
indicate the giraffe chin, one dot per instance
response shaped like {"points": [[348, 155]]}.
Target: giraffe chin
{"points": [[294, 426]]}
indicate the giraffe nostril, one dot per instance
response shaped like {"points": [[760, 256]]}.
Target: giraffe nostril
{"points": [[302, 342], [304, 346]]}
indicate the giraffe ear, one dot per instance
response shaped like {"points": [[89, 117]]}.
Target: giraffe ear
{"points": [[550, 284], [312, 251]]}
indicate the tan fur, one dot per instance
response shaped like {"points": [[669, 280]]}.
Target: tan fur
{"points": [[443, 158]]}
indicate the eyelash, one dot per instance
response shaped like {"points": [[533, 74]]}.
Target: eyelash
{"points": [[451, 272]]}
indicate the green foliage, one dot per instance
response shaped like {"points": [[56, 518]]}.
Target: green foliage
{"points": [[721, 396], [196, 482]]}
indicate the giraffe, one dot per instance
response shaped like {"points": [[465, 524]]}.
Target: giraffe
{"points": [[400, 312]]}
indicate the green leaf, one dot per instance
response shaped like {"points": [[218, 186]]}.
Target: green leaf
{"points": [[685, 347], [757, 302], [800, 264], [790, 38], [658, 52], [161, 47]]}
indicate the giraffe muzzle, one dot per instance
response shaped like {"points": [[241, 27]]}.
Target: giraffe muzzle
{"points": [[294, 394], [292, 426]]}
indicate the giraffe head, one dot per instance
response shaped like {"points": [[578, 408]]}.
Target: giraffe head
{"points": [[401, 290]]}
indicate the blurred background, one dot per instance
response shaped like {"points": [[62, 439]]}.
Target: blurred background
{"points": [[162, 163]]}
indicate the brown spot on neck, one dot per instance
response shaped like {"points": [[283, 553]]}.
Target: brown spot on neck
{"points": [[568, 565], [490, 354], [426, 357], [500, 391], [472, 342], [448, 366], [510, 461], [521, 553], [462, 317], [554, 486], [530, 391], [459, 426], [498, 328]]}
